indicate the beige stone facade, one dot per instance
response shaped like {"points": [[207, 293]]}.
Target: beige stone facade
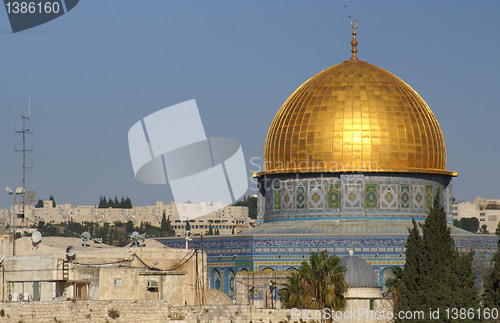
{"points": [[43, 272], [136, 311], [225, 218]]}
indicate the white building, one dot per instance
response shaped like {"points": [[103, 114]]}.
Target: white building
{"points": [[486, 211]]}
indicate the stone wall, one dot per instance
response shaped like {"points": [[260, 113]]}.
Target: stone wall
{"points": [[134, 311]]}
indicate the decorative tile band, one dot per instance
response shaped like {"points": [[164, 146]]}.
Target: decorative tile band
{"points": [[359, 196]]}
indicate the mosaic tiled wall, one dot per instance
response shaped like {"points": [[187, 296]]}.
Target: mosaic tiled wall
{"points": [[226, 259], [353, 195], [228, 255]]}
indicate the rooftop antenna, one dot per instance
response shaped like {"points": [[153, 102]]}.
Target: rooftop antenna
{"points": [[24, 131], [135, 236], [29, 105]]}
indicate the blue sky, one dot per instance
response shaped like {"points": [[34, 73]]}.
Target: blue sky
{"points": [[98, 69]]}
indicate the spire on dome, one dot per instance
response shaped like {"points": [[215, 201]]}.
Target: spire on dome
{"points": [[354, 42]]}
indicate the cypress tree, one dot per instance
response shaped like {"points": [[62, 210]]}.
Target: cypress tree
{"points": [[169, 231], [410, 293], [163, 225], [436, 275], [129, 228], [53, 200], [101, 202], [492, 279], [39, 204], [465, 293], [210, 230], [128, 203]]}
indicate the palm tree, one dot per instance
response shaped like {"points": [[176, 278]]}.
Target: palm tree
{"points": [[319, 284], [292, 294]]}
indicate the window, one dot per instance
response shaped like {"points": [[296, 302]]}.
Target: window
{"points": [[152, 286], [117, 282], [80, 290], [372, 305]]}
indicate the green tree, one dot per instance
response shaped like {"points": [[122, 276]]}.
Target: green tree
{"points": [[394, 281], [188, 226], [484, 229], [491, 294], [166, 226], [435, 275], [470, 224], [163, 224], [53, 200], [292, 294], [410, 294], [129, 227], [102, 202], [39, 204], [317, 284], [128, 203], [210, 230]]}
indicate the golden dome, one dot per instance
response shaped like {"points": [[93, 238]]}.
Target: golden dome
{"points": [[355, 117]]}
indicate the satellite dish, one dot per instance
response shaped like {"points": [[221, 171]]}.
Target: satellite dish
{"points": [[135, 236], [36, 237], [70, 253], [85, 237]]}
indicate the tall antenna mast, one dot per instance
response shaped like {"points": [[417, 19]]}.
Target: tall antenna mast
{"points": [[24, 131]]}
